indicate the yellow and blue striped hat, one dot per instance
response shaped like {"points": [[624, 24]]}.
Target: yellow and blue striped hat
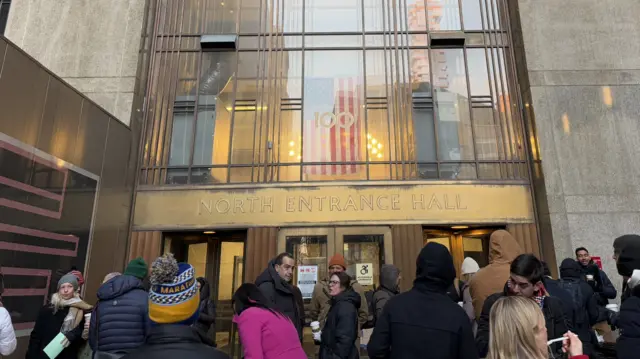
{"points": [[174, 297]]}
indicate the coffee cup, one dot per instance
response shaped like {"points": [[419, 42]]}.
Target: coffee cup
{"points": [[315, 326], [589, 277], [612, 307], [87, 317]]}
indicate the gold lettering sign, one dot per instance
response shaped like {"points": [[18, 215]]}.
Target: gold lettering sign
{"points": [[327, 205], [328, 119]]}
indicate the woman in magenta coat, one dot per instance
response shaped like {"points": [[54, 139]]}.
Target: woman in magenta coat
{"points": [[265, 333]]}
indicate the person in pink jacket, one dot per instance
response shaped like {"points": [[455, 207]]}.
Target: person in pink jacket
{"points": [[265, 333]]}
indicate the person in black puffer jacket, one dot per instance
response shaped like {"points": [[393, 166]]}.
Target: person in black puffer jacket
{"points": [[389, 287], [119, 322], [628, 320], [585, 302], [424, 322], [340, 331]]}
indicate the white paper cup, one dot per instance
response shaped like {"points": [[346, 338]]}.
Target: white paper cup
{"points": [[589, 277], [612, 307], [315, 326], [87, 317], [461, 304]]}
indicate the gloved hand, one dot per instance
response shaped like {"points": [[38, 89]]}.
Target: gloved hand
{"points": [[65, 342], [612, 318], [317, 335]]}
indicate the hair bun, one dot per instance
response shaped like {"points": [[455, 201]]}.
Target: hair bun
{"points": [[164, 269]]}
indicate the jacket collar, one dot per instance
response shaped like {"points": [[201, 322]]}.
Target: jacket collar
{"points": [[172, 333]]}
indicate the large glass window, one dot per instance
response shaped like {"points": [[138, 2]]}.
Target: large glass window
{"points": [[333, 90], [4, 14]]}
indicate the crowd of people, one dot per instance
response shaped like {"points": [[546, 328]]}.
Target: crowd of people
{"points": [[510, 309]]}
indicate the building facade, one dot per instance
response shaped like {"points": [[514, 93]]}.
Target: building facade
{"points": [[361, 127]]}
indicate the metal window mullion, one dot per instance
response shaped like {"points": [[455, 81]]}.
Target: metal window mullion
{"points": [[471, 115], [281, 84], [196, 117], [408, 102], [255, 114], [266, 115], [302, 94], [500, 83], [364, 80]]}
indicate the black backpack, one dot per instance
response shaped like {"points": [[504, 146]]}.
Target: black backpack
{"points": [[573, 287], [371, 318]]}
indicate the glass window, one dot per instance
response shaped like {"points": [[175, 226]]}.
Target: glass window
{"points": [[333, 15], [308, 251], [444, 15], [455, 140], [333, 123], [364, 248], [220, 17], [197, 257], [472, 16], [181, 133], [242, 143]]}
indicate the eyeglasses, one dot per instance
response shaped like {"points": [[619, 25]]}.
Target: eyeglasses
{"points": [[334, 282]]}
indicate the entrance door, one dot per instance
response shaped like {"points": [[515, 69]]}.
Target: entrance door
{"points": [[472, 243], [365, 250], [218, 257]]}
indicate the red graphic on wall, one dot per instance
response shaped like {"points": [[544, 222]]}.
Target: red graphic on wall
{"points": [[598, 261], [46, 212]]}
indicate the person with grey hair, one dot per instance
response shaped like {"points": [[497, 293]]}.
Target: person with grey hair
{"points": [[110, 276], [65, 314]]}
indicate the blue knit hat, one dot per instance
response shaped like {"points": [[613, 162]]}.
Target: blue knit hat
{"points": [[174, 297]]}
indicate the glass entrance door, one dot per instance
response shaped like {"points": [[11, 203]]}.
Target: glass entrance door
{"points": [[472, 243], [365, 250], [217, 257]]}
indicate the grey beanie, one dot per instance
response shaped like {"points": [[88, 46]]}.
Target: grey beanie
{"points": [[68, 278]]}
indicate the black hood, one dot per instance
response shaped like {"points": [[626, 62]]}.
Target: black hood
{"points": [[434, 267], [629, 258], [389, 277], [569, 268], [348, 295], [118, 286], [270, 275], [621, 242], [205, 290]]}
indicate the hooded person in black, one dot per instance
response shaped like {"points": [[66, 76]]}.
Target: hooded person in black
{"points": [[628, 320], [282, 294], [620, 243], [585, 303], [207, 310], [389, 280], [424, 322]]}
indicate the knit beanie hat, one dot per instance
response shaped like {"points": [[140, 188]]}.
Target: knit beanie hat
{"points": [[469, 266], [338, 260], [174, 297], [68, 278], [137, 268]]}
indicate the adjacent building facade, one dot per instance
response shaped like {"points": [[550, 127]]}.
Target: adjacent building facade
{"points": [[360, 127]]}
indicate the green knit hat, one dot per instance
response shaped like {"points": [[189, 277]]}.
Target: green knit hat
{"points": [[137, 268]]}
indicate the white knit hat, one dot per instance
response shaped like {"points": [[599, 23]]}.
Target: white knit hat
{"points": [[469, 266]]}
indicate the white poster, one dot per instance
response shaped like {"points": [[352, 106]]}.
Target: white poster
{"points": [[307, 279], [364, 273]]}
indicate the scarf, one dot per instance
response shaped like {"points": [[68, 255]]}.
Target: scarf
{"points": [[538, 296], [76, 312]]}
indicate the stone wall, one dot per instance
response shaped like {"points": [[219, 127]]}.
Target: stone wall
{"points": [[580, 78], [91, 44]]}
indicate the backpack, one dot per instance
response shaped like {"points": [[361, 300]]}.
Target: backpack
{"points": [[573, 287], [371, 318]]}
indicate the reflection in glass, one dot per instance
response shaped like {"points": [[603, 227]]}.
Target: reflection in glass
{"points": [[242, 142], [333, 15], [181, 133], [443, 15], [455, 141], [221, 16], [471, 14], [422, 111], [333, 123], [197, 257]]}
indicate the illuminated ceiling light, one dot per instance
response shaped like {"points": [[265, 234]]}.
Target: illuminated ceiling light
{"points": [[368, 136], [374, 151], [374, 141], [379, 155], [291, 153], [222, 4], [459, 227], [379, 145], [369, 146], [291, 144], [299, 157], [209, 232]]}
